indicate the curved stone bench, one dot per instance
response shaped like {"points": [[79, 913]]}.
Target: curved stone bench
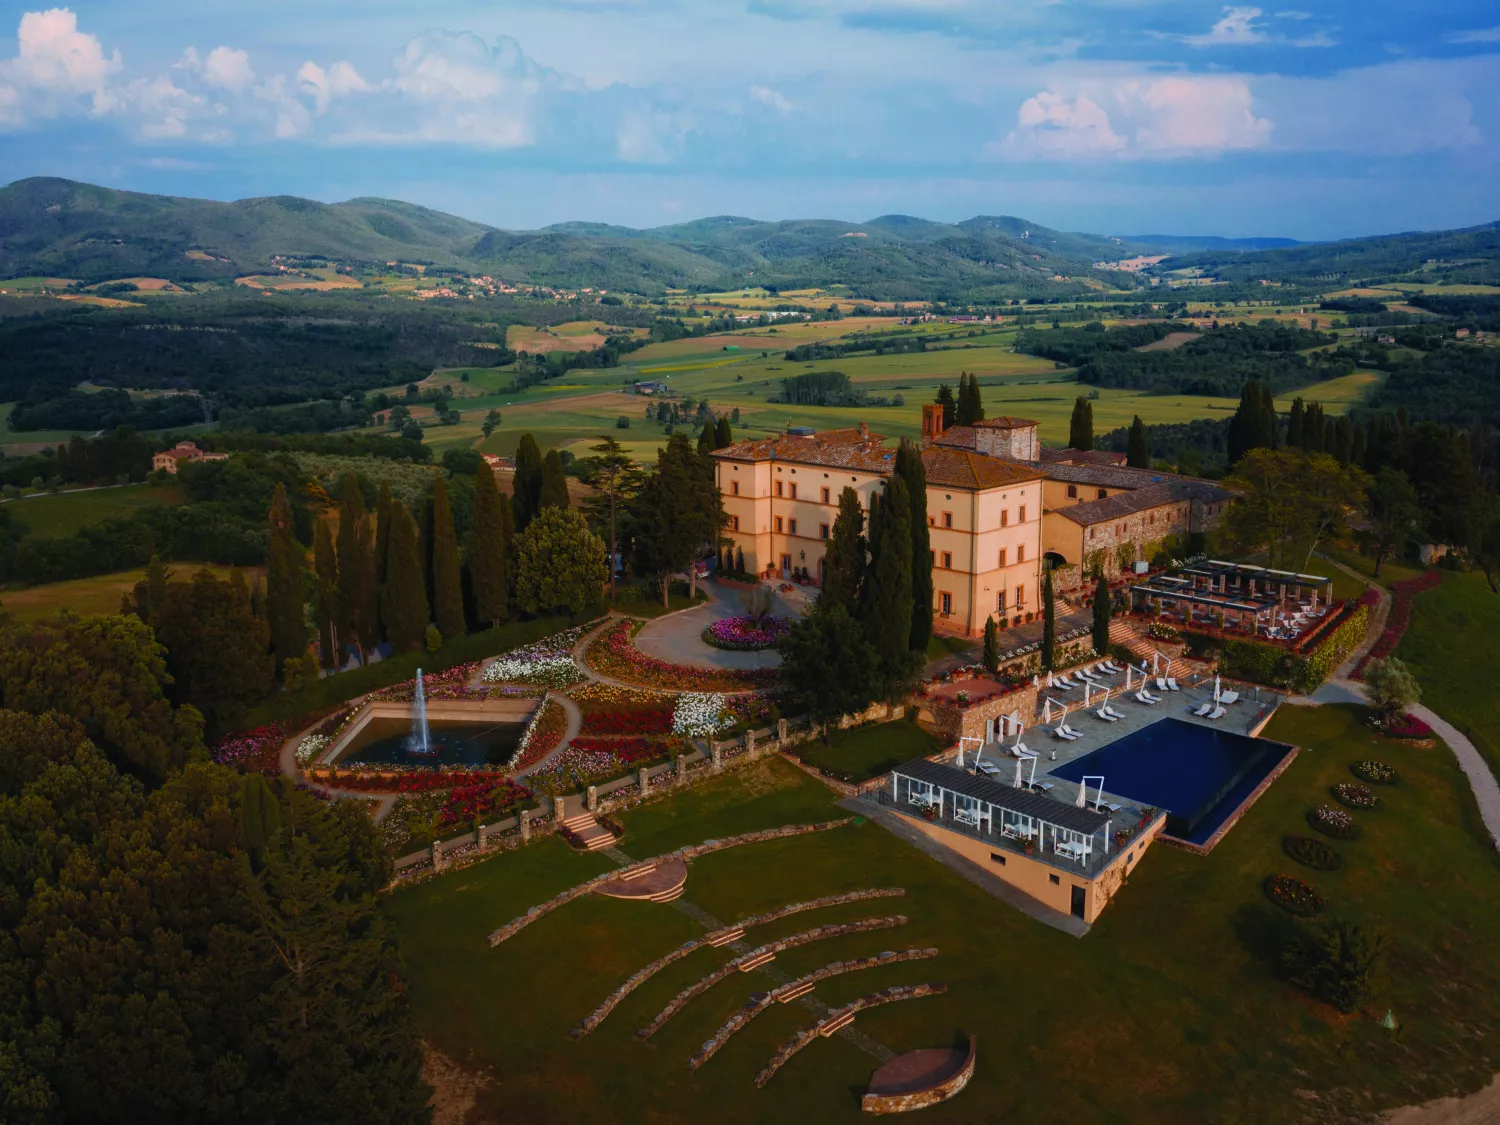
{"points": [[840, 1019], [919, 1079], [612, 1001], [795, 988], [765, 953]]}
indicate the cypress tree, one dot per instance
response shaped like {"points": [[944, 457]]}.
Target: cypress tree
{"points": [[286, 609], [723, 436], [1358, 451], [328, 610], [888, 607], [1294, 424], [489, 549], [1268, 417], [705, 440], [1049, 619], [1343, 439], [382, 532], [405, 595], [950, 407], [1252, 426], [914, 473], [527, 498], [156, 590], [1102, 609], [739, 560], [359, 591], [976, 399], [1137, 452], [447, 582], [963, 409], [1331, 437], [844, 563], [553, 492], [1081, 425], [991, 644]]}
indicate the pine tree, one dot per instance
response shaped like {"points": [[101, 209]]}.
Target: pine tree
{"points": [[404, 601], [554, 490], [1294, 424], [723, 437], [526, 500], [359, 591], [615, 480], [326, 604], [285, 599], [888, 604], [991, 644], [489, 549], [950, 406], [1138, 453], [1081, 425], [1102, 609], [844, 562], [1049, 619], [447, 581], [909, 466]]}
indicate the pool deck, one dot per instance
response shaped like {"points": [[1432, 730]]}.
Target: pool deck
{"points": [[1246, 716]]}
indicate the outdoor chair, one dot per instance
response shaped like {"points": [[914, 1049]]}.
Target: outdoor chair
{"points": [[1112, 711], [1106, 716], [1063, 733], [1148, 700], [1204, 709], [1217, 713], [1172, 684], [1229, 697]]}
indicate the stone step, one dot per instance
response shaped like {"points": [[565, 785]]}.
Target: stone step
{"points": [[795, 993], [724, 937], [605, 839], [582, 820], [756, 961], [638, 872], [835, 1025], [671, 895]]}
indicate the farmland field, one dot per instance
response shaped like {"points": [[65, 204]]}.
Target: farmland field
{"points": [[52, 515], [99, 594]]}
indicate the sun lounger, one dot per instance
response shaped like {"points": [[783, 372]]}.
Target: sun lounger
{"points": [[1217, 713], [1229, 697], [1204, 709], [967, 816], [1161, 684], [1020, 750], [1041, 786], [1071, 731], [1063, 682], [1111, 667], [1172, 684], [1064, 734], [988, 768], [1112, 806], [1148, 700], [1016, 833], [1106, 716], [1112, 711]]}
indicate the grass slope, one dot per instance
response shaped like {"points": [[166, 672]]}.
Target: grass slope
{"points": [[100, 594], [1170, 1010], [53, 515]]}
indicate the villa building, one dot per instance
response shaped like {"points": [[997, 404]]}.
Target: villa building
{"points": [[183, 451]]}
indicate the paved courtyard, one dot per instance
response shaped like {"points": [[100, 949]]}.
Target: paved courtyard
{"points": [[678, 637]]}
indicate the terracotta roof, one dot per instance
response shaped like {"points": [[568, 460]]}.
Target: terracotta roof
{"points": [[1111, 476], [1082, 456], [952, 468], [1005, 422], [957, 437], [842, 449], [1174, 491]]}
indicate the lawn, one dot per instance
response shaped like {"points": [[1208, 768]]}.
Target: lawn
{"points": [[100, 594], [1450, 645], [1172, 1009], [1390, 572], [632, 600], [53, 515], [858, 754]]}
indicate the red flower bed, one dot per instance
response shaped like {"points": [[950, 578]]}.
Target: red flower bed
{"points": [[626, 750], [482, 799], [550, 727], [413, 781], [627, 722], [252, 751], [1404, 595], [1406, 726]]}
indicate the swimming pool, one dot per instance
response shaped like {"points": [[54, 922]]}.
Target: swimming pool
{"points": [[1198, 774]]}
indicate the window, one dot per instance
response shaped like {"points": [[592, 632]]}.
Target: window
{"points": [[1002, 556], [1020, 596], [998, 858], [825, 496], [1054, 880], [794, 489], [734, 488], [1022, 517], [932, 559], [734, 523], [778, 523], [1091, 533], [791, 527], [1103, 493], [1021, 553], [822, 531], [1000, 602], [947, 519], [947, 560], [779, 491], [945, 603], [1004, 517], [1072, 492]]}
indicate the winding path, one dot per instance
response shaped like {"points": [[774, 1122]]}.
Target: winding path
{"points": [[677, 638]]}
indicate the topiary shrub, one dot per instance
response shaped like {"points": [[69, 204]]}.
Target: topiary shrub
{"points": [[1312, 853]]}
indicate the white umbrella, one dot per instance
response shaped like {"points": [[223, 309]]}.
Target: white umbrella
{"points": [[1129, 671], [1019, 766], [1216, 687], [1085, 693], [1049, 677], [1046, 710]]}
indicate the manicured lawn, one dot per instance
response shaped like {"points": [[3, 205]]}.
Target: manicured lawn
{"points": [[866, 751], [632, 603], [1450, 645], [100, 594], [938, 647], [1390, 572], [54, 515], [1171, 1009]]}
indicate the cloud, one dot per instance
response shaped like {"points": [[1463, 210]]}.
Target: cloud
{"points": [[650, 137], [1477, 35], [766, 96], [228, 69], [1244, 27], [324, 86], [54, 63], [1149, 117]]}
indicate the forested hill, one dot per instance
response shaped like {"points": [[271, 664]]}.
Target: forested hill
{"points": [[58, 228]]}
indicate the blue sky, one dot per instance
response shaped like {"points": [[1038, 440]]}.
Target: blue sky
{"points": [[1114, 116]]}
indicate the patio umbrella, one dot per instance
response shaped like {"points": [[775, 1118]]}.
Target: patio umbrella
{"points": [[1216, 687], [1046, 710], [1129, 671], [1049, 677], [1019, 765], [1155, 661]]}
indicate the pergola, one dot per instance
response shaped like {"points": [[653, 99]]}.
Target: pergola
{"points": [[981, 807], [1255, 597]]}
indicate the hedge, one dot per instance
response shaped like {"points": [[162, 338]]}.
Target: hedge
{"points": [[397, 669], [1277, 666]]}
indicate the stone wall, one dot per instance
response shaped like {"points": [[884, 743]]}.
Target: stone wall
{"points": [[920, 1099], [873, 1000]]}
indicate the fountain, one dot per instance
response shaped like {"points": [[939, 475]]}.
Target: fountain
{"points": [[420, 740]]}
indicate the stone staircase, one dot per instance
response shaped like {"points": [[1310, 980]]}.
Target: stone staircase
{"points": [[1133, 637], [593, 834]]}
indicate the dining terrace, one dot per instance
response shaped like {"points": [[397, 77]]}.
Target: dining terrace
{"points": [[1278, 605]]}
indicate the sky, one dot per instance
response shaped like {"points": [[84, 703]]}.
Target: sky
{"points": [[1327, 120]]}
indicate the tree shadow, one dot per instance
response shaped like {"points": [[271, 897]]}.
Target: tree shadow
{"points": [[1264, 931]]}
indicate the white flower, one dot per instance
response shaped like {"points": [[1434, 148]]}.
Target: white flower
{"points": [[310, 747], [548, 662], [700, 714]]}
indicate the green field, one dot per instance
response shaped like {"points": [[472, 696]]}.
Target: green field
{"points": [[1171, 1009], [99, 594], [869, 750], [53, 515]]}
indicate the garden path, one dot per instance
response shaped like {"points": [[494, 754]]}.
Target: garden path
{"points": [[872, 1047], [384, 803], [677, 638], [575, 724]]}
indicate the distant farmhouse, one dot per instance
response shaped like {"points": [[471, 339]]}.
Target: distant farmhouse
{"points": [[183, 451], [997, 504], [652, 387]]}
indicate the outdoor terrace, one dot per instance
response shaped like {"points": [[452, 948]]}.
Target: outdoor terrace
{"points": [[1280, 605]]}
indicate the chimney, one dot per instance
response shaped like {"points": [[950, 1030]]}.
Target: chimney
{"points": [[864, 432], [932, 420]]}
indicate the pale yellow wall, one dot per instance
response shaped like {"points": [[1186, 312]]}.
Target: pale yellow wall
{"points": [[1055, 493]]}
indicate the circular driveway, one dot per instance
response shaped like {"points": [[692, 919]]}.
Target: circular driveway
{"points": [[678, 638]]}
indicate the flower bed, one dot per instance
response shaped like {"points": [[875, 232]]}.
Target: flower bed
{"points": [[252, 751], [627, 751], [700, 715], [1293, 895], [747, 634], [1375, 772], [1312, 853], [594, 696], [1158, 631], [613, 654], [482, 800], [1334, 822], [548, 662], [1403, 597], [548, 725], [393, 779], [1355, 796], [587, 761], [1406, 726], [627, 722]]}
